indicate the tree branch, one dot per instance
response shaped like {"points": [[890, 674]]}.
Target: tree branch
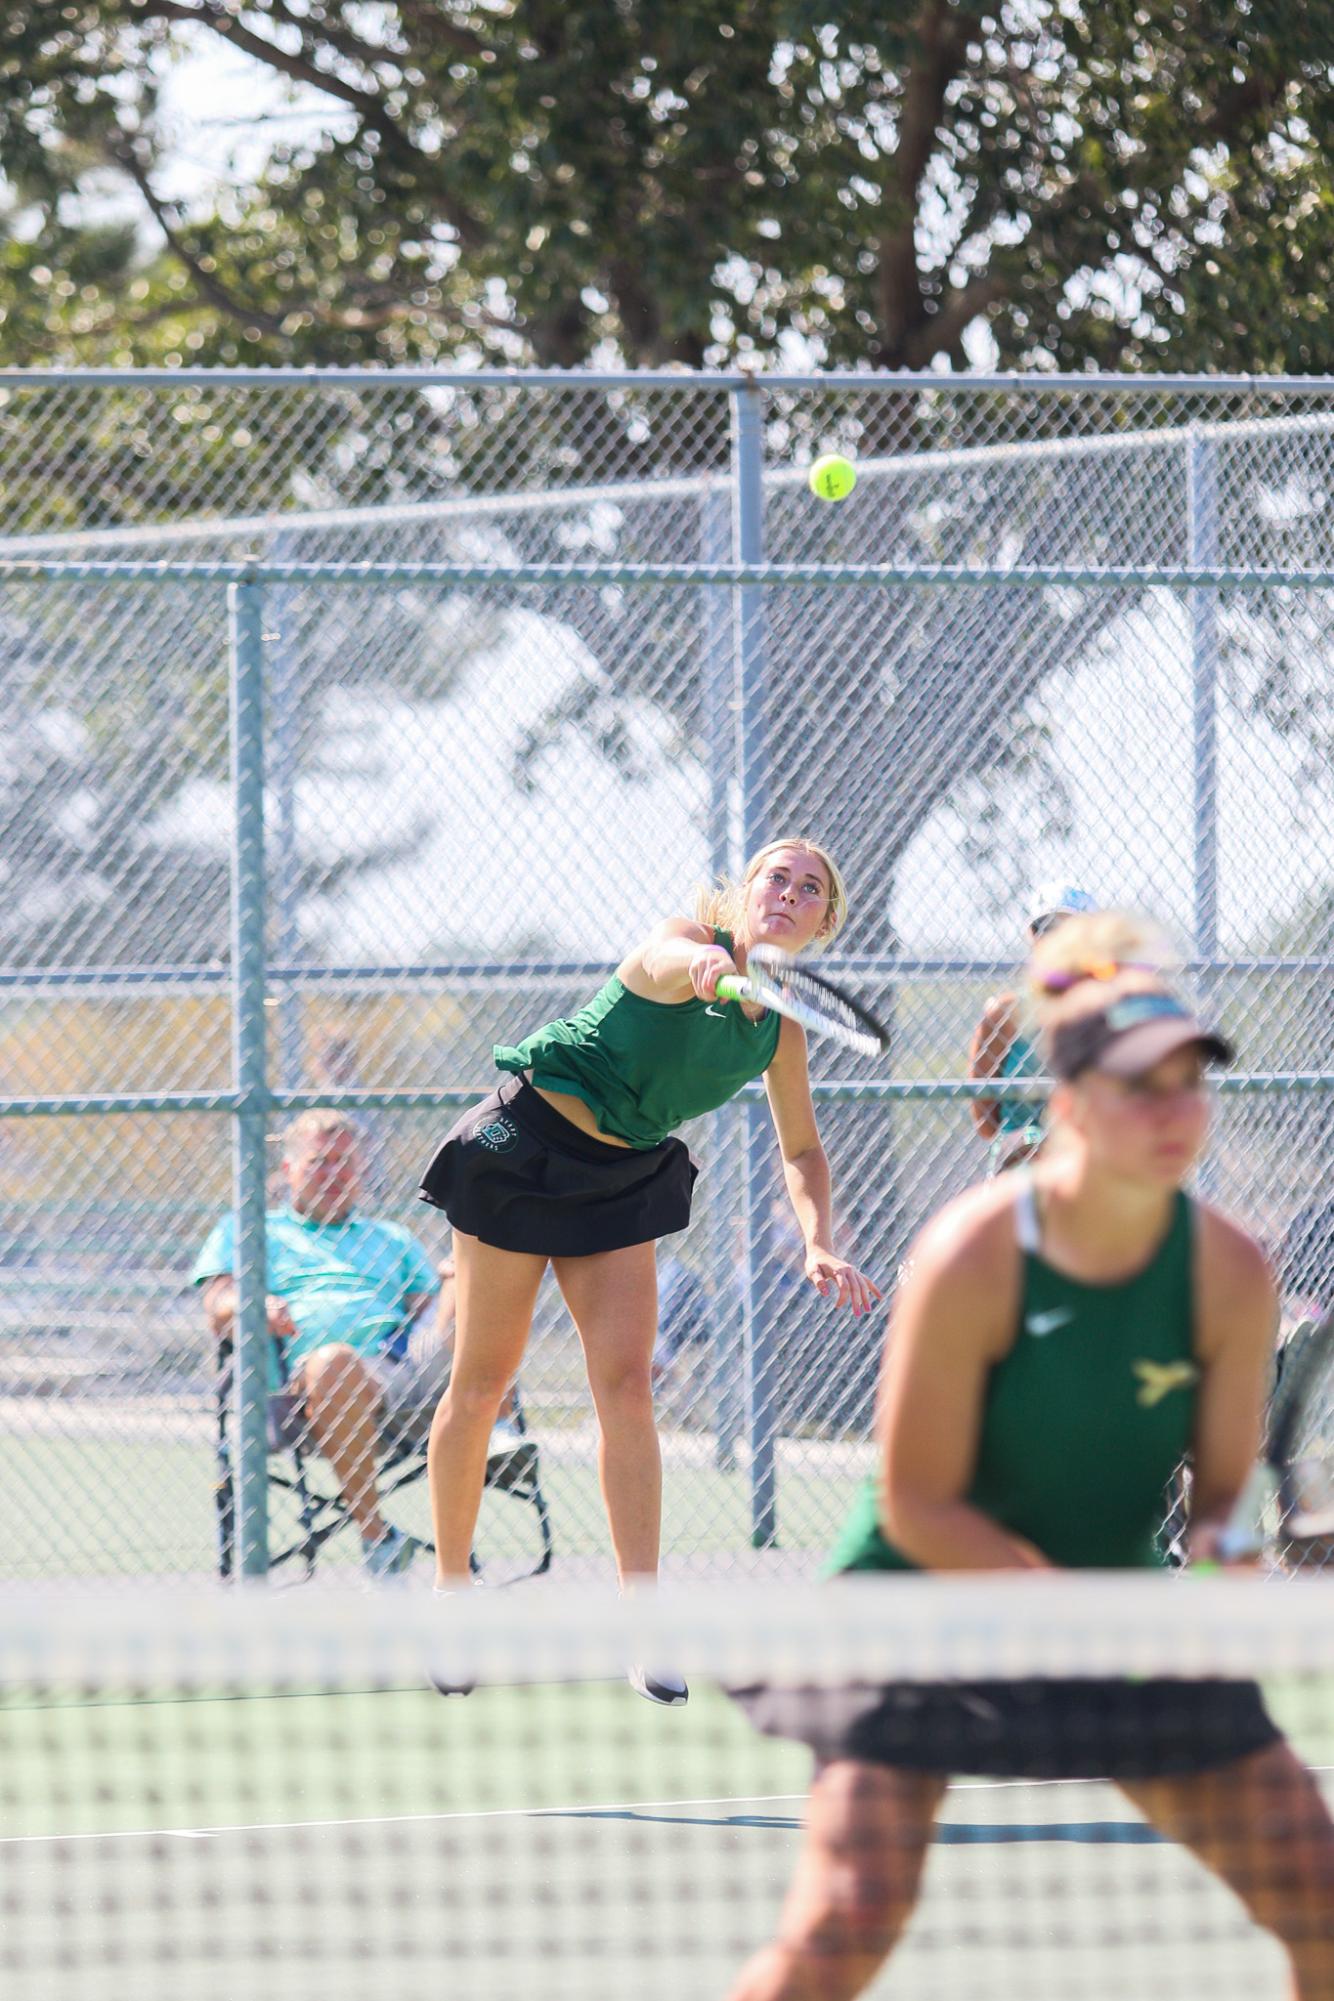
{"points": [[942, 35], [943, 32], [381, 311], [441, 29], [209, 285], [300, 69], [939, 332], [428, 21]]}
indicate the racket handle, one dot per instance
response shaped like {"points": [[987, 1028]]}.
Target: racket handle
{"points": [[732, 987]]}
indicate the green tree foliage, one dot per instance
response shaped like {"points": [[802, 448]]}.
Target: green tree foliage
{"points": [[1137, 183]]}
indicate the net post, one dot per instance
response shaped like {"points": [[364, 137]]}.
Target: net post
{"points": [[249, 1036]]}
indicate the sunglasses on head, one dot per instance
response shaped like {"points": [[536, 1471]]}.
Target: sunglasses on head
{"points": [[1061, 978]]}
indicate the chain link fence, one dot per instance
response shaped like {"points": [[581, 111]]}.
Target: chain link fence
{"points": [[528, 659]]}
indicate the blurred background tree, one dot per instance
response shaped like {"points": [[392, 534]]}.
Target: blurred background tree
{"points": [[1136, 184]]}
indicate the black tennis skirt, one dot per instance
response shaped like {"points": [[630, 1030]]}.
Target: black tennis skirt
{"points": [[518, 1175], [1033, 1729]]}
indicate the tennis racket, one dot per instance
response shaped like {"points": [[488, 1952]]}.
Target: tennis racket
{"points": [[1295, 1479], [776, 981]]}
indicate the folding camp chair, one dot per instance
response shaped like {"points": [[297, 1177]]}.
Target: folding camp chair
{"points": [[515, 1526]]}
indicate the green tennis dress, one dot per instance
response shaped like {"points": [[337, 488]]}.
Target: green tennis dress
{"points": [[517, 1174], [645, 1067]]}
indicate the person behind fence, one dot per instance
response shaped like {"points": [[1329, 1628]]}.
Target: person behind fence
{"points": [[573, 1162], [335, 1065], [344, 1292], [1067, 1334], [1003, 1048], [1306, 1262]]}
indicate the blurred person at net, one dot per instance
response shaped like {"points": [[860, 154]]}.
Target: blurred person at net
{"points": [[347, 1299], [1004, 1047], [335, 1065], [1067, 1335]]}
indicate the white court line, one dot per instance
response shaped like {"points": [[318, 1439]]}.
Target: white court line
{"points": [[388, 1820], [581, 1808]]}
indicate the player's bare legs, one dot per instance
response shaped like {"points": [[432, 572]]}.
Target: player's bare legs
{"points": [[868, 1830], [497, 1291], [1262, 1825], [613, 1300]]}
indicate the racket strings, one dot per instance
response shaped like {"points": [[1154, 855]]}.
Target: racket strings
{"points": [[828, 1001], [823, 1002]]}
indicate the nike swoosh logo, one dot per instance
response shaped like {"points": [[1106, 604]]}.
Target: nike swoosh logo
{"points": [[711, 1009], [1047, 1323]]}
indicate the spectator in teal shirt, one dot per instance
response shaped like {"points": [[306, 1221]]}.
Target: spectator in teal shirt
{"points": [[1003, 1048], [344, 1292]]}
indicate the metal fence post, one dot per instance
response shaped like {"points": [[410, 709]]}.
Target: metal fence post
{"points": [[719, 696], [1202, 549], [284, 732], [248, 894], [1202, 553], [752, 763]]}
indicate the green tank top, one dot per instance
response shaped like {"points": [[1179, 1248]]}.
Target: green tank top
{"points": [[1085, 1420], [644, 1067]]}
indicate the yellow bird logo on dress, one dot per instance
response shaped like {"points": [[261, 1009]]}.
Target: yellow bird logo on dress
{"points": [[1159, 1379]]}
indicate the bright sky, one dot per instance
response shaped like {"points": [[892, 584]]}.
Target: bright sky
{"points": [[228, 113]]}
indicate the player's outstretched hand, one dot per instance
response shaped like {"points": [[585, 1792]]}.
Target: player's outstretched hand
{"points": [[834, 1278]]}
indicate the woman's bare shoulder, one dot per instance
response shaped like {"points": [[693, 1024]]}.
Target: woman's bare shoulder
{"points": [[974, 1234]]}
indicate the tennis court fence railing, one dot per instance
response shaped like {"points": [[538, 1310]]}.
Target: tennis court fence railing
{"points": [[361, 720]]}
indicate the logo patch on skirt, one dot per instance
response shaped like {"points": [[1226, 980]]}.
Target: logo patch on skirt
{"points": [[498, 1135]]}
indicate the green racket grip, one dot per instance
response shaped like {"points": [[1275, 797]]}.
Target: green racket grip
{"points": [[733, 987]]}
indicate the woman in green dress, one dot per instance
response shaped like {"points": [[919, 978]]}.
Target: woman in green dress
{"points": [[573, 1163], [1066, 1335]]}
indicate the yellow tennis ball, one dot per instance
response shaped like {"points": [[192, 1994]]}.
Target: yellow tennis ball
{"points": [[832, 477]]}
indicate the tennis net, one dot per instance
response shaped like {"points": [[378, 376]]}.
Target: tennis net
{"points": [[258, 1792]]}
